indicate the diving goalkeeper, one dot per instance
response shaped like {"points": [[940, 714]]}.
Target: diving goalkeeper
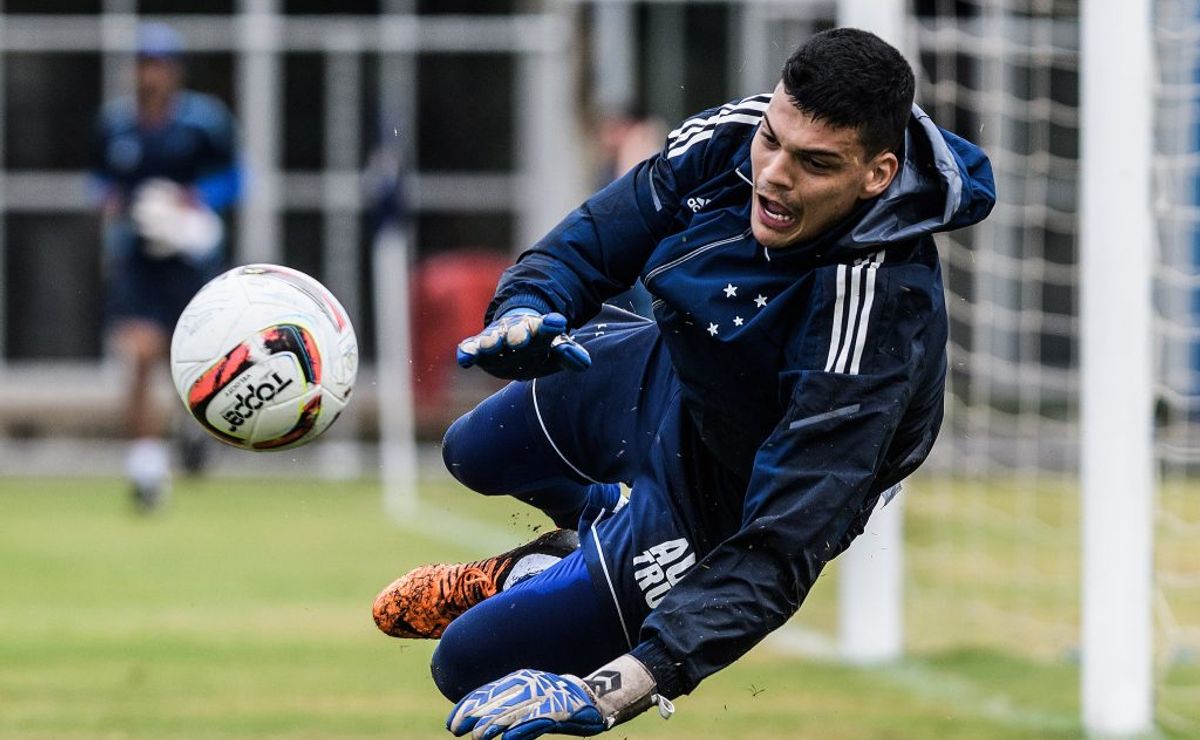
{"points": [[793, 374]]}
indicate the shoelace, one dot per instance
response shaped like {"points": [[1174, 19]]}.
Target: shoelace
{"points": [[470, 585]]}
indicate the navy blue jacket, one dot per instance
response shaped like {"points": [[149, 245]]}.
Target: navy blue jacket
{"points": [[814, 374]]}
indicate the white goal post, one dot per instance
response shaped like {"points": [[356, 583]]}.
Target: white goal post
{"points": [[871, 571], [1116, 371], [398, 456], [1116, 241]]}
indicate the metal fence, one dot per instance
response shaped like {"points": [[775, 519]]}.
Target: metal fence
{"points": [[489, 112]]}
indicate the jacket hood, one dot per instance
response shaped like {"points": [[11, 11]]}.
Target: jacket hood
{"points": [[945, 183]]}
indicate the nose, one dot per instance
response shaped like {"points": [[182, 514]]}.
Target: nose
{"points": [[775, 172]]}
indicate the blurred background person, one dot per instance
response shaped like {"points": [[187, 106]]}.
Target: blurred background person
{"points": [[625, 139], [166, 166]]}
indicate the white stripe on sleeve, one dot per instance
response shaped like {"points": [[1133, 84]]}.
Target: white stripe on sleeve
{"points": [[852, 314], [748, 111], [852, 319], [838, 311], [860, 340]]}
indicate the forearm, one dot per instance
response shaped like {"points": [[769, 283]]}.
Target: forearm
{"points": [[682, 645], [595, 253], [802, 511]]}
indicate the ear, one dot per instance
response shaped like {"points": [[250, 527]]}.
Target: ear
{"points": [[880, 172]]}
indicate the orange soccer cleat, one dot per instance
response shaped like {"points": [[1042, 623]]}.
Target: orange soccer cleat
{"points": [[424, 601]]}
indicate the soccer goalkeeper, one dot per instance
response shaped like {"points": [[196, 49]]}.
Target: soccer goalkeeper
{"points": [[793, 374]]}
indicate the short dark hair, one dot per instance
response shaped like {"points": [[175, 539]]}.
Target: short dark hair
{"points": [[846, 77]]}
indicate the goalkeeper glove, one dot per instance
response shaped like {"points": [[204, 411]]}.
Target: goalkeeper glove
{"points": [[528, 704], [524, 344]]}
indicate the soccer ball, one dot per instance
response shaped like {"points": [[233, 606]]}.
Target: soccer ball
{"points": [[264, 357]]}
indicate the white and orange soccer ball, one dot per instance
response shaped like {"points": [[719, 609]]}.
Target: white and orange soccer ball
{"points": [[264, 357]]}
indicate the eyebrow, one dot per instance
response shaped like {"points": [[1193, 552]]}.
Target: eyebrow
{"points": [[830, 153]]}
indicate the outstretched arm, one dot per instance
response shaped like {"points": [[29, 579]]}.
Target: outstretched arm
{"points": [[600, 248], [815, 482], [597, 251], [594, 254]]}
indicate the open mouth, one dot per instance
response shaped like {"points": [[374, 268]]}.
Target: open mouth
{"points": [[774, 215]]}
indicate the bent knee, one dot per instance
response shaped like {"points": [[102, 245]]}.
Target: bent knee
{"points": [[455, 665], [465, 455]]}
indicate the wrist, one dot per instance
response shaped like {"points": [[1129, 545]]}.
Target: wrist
{"points": [[668, 677], [623, 689], [518, 311], [523, 300]]}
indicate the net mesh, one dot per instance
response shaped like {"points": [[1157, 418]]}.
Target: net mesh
{"points": [[993, 537], [1177, 334], [1002, 499]]}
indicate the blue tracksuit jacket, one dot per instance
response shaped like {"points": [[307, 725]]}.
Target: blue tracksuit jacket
{"points": [[813, 374]]}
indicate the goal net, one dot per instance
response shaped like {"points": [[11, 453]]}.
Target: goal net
{"points": [[1177, 331], [993, 538]]}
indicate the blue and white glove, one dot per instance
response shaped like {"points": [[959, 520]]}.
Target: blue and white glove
{"points": [[524, 344], [528, 704]]}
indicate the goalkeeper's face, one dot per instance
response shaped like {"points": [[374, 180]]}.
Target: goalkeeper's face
{"points": [[808, 175]]}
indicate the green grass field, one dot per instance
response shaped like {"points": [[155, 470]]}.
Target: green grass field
{"points": [[244, 611]]}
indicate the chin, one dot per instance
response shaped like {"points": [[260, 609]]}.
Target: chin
{"points": [[770, 238]]}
